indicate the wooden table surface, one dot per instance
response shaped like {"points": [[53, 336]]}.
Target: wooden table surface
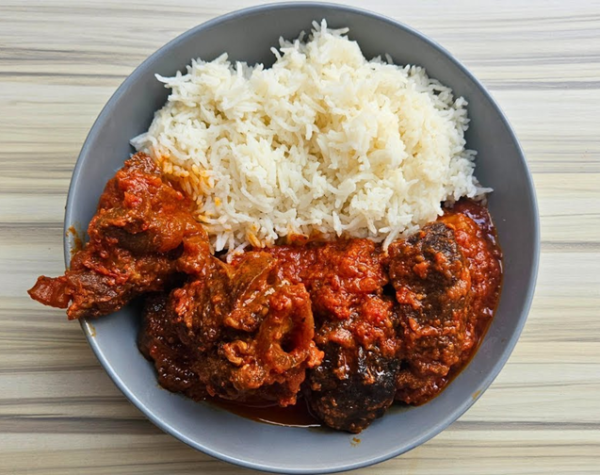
{"points": [[61, 60]]}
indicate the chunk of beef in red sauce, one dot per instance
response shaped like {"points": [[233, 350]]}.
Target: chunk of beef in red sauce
{"points": [[476, 237], [160, 343], [134, 243], [447, 282], [432, 284], [355, 328], [247, 336]]}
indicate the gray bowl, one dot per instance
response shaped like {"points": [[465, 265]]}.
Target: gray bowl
{"points": [[247, 35]]}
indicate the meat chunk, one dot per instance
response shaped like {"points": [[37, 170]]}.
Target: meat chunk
{"points": [[432, 284], [355, 383], [356, 329], [159, 342], [135, 238], [142, 213], [476, 238], [99, 284], [250, 335], [269, 364]]}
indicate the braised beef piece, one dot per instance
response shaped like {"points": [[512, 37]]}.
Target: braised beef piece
{"points": [[135, 239], [432, 284], [247, 336], [159, 342], [475, 235], [355, 328], [355, 383]]}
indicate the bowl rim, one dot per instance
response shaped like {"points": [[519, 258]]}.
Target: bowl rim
{"points": [[106, 112]]}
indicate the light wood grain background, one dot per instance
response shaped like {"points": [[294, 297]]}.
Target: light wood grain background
{"points": [[59, 63]]}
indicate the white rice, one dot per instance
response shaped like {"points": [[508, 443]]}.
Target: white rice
{"points": [[324, 142]]}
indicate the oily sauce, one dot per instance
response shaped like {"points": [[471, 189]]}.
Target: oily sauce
{"points": [[298, 415], [77, 240]]}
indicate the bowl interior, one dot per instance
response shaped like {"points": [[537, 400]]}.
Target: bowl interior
{"points": [[248, 36]]}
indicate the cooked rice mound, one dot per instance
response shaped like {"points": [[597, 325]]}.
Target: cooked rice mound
{"points": [[322, 142]]}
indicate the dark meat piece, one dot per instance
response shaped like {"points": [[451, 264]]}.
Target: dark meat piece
{"points": [[432, 283], [140, 212], [249, 335], [159, 342], [269, 364], [99, 284], [477, 240], [201, 305], [135, 239], [355, 328], [355, 384]]}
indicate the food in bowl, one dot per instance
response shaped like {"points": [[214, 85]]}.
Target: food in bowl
{"points": [[311, 231]]}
